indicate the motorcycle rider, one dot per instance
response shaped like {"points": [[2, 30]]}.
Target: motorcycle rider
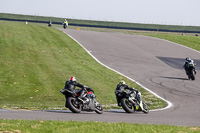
{"points": [[187, 63], [50, 23], [71, 84], [65, 22], [122, 86]]}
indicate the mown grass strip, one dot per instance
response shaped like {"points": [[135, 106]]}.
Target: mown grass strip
{"points": [[39, 126]]}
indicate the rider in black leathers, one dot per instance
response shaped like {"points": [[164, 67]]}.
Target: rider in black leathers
{"points": [[122, 86], [186, 65], [71, 84], [49, 23]]}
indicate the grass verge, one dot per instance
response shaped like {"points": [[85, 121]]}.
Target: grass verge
{"points": [[39, 126]]}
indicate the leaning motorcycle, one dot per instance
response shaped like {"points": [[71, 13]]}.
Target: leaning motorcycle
{"points": [[76, 104], [132, 101], [191, 71]]}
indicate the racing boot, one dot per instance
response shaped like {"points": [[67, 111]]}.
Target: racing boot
{"points": [[118, 102]]}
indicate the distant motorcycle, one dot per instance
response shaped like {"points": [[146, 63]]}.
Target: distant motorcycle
{"points": [[76, 105], [190, 71], [65, 25], [50, 24], [132, 101]]}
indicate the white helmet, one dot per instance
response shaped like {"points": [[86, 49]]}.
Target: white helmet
{"points": [[72, 79]]}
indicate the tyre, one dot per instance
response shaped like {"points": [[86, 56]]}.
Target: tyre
{"points": [[73, 105], [64, 26], [127, 106], [145, 108], [99, 109], [192, 75]]}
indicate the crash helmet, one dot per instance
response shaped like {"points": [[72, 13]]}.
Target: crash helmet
{"points": [[187, 59], [122, 82], [72, 79]]}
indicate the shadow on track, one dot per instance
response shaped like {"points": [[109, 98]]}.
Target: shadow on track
{"points": [[177, 63], [121, 111], [175, 78], [58, 111], [68, 111]]}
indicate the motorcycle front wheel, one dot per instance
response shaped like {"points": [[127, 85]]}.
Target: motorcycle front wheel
{"points": [[99, 109], [145, 108], [73, 105], [127, 105], [192, 75]]}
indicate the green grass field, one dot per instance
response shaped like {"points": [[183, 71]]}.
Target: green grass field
{"points": [[39, 126]]}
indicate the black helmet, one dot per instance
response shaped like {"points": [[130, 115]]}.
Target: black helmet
{"points": [[187, 59]]}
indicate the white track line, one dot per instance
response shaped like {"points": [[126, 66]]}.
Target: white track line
{"points": [[168, 102]]}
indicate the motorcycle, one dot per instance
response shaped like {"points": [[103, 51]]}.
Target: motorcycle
{"points": [[132, 101], [65, 25], [76, 104], [49, 23], [191, 71]]}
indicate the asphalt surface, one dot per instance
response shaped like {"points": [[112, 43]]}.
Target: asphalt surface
{"points": [[154, 63]]}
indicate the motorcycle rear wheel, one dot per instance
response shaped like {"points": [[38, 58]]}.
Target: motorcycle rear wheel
{"points": [[73, 106], [127, 106]]}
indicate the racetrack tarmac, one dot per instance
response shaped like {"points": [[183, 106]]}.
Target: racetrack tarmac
{"points": [[156, 64]]}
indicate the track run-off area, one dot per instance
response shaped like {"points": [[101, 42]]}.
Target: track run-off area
{"points": [[154, 63]]}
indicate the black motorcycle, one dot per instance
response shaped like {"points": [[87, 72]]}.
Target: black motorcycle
{"points": [[76, 104], [65, 25], [190, 71], [132, 101], [49, 23]]}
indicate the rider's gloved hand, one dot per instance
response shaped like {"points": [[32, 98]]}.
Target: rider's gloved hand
{"points": [[136, 91]]}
